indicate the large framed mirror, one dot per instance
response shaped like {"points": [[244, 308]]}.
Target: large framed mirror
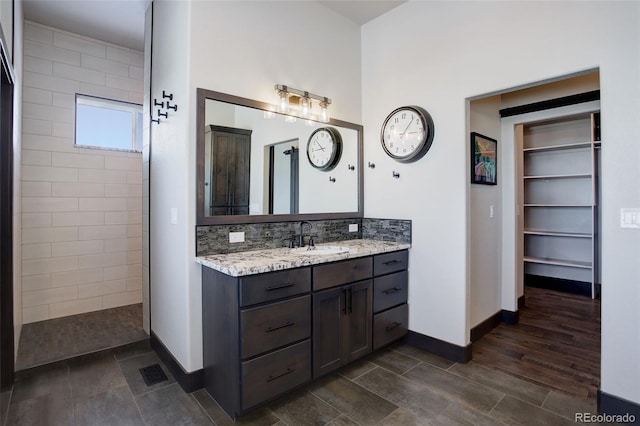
{"points": [[253, 164]]}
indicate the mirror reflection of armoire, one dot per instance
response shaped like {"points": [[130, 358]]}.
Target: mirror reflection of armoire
{"points": [[227, 172]]}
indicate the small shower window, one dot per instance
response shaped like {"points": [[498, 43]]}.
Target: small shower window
{"points": [[108, 124]]}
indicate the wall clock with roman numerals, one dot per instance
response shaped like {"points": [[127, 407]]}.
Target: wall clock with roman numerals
{"points": [[324, 148], [407, 133]]}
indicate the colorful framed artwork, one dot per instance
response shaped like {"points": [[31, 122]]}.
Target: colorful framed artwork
{"points": [[484, 159]]}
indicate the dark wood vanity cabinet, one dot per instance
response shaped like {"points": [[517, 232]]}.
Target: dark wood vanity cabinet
{"points": [[256, 336], [390, 292], [266, 334]]}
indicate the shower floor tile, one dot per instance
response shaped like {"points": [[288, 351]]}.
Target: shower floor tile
{"points": [[53, 340]]}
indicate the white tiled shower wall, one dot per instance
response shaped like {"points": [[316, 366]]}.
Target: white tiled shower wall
{"points": [[81, 207]]}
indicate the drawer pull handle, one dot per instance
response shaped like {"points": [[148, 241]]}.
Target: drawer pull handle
{"points": [[391, 290], [391, 262], [284, 373], [393, 325], [279, 286], [287, 324]]}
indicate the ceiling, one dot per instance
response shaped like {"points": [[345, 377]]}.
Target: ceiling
{"points": [[361, 11], [121, 22]]}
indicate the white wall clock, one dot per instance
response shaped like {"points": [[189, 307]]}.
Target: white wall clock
{"points": [[407, 133], [324, 148]]}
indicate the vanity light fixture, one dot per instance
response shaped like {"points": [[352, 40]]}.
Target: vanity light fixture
{"points": [[288, 97]]}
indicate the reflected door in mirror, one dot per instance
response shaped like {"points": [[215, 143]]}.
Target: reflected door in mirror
{"points": [[227, 189], [283, 178]]}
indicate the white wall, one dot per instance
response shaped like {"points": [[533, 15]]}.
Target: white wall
{"points": [[240, 48], [81, 207], [487, 47], [173, 289], [485, 231], [9, 10]]}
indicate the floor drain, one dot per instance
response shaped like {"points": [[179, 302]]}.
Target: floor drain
{"points": [[153, 374]]}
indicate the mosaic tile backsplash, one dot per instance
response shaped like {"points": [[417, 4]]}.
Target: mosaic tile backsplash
{"points": [[397, 230], [214, 239]]}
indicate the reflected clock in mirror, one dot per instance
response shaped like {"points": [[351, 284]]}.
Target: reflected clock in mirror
{"points": [[245, 180], [324, 148]]}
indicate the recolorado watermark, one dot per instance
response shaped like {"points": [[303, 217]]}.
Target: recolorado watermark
{"points": [[604, 418]]}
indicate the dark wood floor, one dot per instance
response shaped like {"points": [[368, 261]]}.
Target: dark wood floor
{"points": [[555, 345]]}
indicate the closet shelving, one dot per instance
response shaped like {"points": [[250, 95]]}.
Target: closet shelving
{"points": [[560, 198]]}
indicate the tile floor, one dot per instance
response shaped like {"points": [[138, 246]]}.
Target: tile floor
{"points": [[402, 385], [44, 342]]}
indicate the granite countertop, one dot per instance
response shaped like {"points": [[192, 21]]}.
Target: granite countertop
{"points": [[260, 261]]}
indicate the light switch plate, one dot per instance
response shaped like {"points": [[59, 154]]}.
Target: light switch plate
{"points": [[236, 237], [630, 218], [174, 216], [353, 227]]}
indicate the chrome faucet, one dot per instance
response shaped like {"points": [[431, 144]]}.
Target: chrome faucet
{"points": [[301, 237]]}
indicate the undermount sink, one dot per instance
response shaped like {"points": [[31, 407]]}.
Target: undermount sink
{"points": [[318, 251]]}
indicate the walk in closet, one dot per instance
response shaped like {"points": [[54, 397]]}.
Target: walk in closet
{"points": [[560, 198]]}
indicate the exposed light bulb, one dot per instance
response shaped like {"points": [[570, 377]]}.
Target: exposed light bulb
{"points": [[324, 113], [305, 104], [283, 105]]}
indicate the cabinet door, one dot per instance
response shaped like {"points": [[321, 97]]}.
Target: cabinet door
{"points": [[230, 164], [342, 326], [357, 341], [220, 197], [329, 311], [239, 166]]}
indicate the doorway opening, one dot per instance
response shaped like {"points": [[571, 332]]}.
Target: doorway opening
{"points": [[84, 241], [553, 338], [284, 191]]}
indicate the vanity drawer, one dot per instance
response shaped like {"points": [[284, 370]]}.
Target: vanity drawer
{"points": [[390, 262], [390, 325], [274, 325], [274, 285], [270, 375], [338, 273], [389, 290]]}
